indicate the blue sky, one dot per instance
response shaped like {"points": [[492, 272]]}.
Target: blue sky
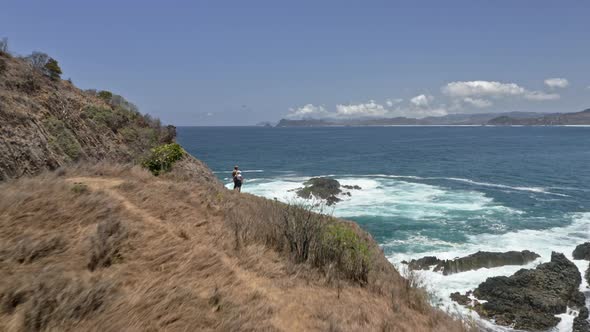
{"points": [[242, 62]]}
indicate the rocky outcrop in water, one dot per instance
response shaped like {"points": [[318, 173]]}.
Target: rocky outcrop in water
{"points": [[324, 188], [530, 299], [475, 261], [582, 251], [485, 259], [423, 263]]}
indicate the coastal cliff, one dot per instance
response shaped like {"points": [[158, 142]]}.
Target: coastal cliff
{"points": [[90, 239]]}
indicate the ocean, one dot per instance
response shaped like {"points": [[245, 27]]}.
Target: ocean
{"points": [[427, 191]]}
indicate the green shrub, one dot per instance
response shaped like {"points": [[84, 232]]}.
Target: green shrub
{"points": [[105, 95], [301, 228], [163, 157], [343, 247], [112, 119], [62, 138], [52, 69], [129, 134]]}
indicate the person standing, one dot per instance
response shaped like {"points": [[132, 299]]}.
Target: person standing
{"points": [[238, 181], [237, 178]]}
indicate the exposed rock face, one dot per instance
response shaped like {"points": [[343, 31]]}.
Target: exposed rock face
{"points": [[582, 251], [475, 261], [324, 188], [530, 299], [581, 323]]}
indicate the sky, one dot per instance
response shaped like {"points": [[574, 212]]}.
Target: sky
{"points": [[244, 62]]}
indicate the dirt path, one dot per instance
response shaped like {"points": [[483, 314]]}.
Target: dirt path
{"points": [[289, 312]]}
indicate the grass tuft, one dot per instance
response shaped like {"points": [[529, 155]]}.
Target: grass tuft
{"points": [[105, 247]]}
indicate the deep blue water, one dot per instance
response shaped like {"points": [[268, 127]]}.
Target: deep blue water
{"points": [[445, 191]]}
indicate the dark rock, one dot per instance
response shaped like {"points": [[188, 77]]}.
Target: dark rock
{"points": [[588, 275], [485, 259], [530, 299], [355, 187], [460, 298], [464, 299], [473, 262], [581, 323], [324, 188], [582, 251], [423, 263]]}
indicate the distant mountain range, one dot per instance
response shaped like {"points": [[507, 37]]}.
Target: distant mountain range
{"points": [[557, 119], [498, 119]]}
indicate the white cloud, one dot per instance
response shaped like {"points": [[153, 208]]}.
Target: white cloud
{"points": [[307, 111], [370, 109], [391, 102], [493, 89], [477, 102], [482, 89], [422, 101], [557, 83], [540, 96], [419, 107]]}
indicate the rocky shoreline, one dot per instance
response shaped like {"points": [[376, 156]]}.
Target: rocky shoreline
{"points": [[529, 299]]}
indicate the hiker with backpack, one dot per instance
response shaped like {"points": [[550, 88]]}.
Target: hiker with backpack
{"points": [[238, 178]]}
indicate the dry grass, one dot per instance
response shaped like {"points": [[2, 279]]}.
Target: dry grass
{"points": [[105, 245], [137, 253]]}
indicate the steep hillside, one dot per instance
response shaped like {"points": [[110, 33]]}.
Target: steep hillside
{"points": [[113, 248], [47, 123]]}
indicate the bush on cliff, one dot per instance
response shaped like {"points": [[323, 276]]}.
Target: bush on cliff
{"points": [[112, 119], [305, 236], [62, 138], [52, 69], [105, 95], [342, 246], [163, 157]]}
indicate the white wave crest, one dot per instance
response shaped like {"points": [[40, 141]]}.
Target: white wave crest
{"points": [[388, 197]]}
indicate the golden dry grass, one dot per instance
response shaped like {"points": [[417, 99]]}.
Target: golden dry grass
{"points": [[112, 248]]}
